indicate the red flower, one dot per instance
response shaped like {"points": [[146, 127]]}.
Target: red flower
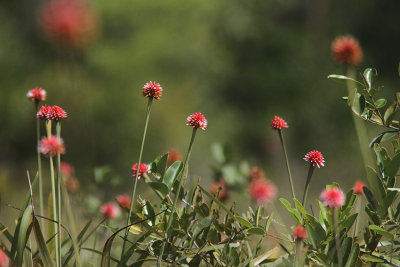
{"points": [[215, 189], [332, 198], [299, 233], [69, 22], [37, 94], [124, 201], [346, 49], [72, 184], [262, 191], [315, 157], [278, 123], [4, 260], [56, 113], [174, 155], [51, 146], [152, 90], [197, 120], [109, 210], [358, 188], [44, 112], [67, 169], [144, 168]]}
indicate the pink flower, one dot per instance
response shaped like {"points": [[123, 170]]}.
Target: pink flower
{"points": [[67, 169], [44, 112], [315, 157], [346, 49], [69, 22], [109, 210], [4, 260], [278, 123], [152, 90], [197, 120], [174, 155], [332, 198], [299, 232], [124, 201], [144, 168], [36, 95], [56, 113], [358, 188], [51, 146], [262, 191]]}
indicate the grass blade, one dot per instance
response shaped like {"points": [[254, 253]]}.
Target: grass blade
{"points": [[23, 234], [44, 252]]}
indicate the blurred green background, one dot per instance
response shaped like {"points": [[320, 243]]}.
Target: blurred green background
{"points": [[237, 62]]}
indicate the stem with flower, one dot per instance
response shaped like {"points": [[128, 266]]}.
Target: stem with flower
{"points": [[307, 187], [59, 213], [287, 162]]}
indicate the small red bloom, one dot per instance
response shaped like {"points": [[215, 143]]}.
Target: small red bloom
{"points": [[358, 188], [262, 191], [67, 169], [44, 112], [256, 173], [4, 259], [197, 120], [315, 157], [215, 189], [299, 233], [56, 113], [124, 201], [109, 210], [346, 49], [278, 123], [332, 198], [37, 94], [152, 90], [51, 146], [174, 155], [144, 168], [72, 184]]}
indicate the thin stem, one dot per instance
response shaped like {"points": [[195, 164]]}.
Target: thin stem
{"points": [[183, 172], [39, 158], [310, 173], [337, 237], [137, 174], [287, 162], [53, 197], [59, 213], [299, 253], [358, 209]]}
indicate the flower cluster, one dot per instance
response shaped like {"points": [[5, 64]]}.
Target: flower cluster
{"points": [[332, 198], [152, 90], [51, 113], [51, 146], [36, 95], [262, 191], [144, 168], [315, 158], [197, 120], [346, 49], [299, 233], [109, 210], [278, 123]]}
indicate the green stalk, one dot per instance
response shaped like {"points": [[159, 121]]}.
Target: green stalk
{"points": [[287, 162], [299, 258], [176, 196], [58, 132], [137, 174], [39, 158], [336, 233], [358, 209], [310, 173]]}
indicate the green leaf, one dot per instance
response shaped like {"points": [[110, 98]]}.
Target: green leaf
{"points": [[349, 221], [313, 236], [390, 112], [370, 258], [355, 251], [171, 174], [244, 222], [380, 103], [382, 137], [358, 103], [160, 187], [369, 75], [201, 225], [342, 78], [256, 231], [219, 203], [293, 212], [23, 235], [381, 231], [41, 244], [300, 207], [160, 164], [345, 248]]}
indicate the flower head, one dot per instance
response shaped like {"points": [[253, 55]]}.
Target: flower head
{"points": [[219, 189], [72, 184], [358, 188], [144, 168], [4, 259], [332, 198], [256, 173], [315, 157], [299, 233], [36, 95], [197, 120], [44, 112], [174, 155], [56, 113], [262, 191], [152, 90], [124, 201], [51, 146], [346, 49], [278, 123], [67, 169], [109, 210]]}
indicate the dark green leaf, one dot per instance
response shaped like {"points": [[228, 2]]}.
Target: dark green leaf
{"points": [[160, 187], [355, 251], [256, 231], [341, 78], [219, 203], [41, 244], [172, 174], [313, 236], [23, 235], [160, 164], [244, 222], [345, 248], [369, 75], [203, 223], [293, 212], [349, 221], [380, 103], [381, 231]]}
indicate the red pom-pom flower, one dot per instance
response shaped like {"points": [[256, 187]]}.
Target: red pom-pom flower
{"points": [[346, 49], [278, 123], [109, 210], [197, 120], [315, 157], [262, 191], [299, 233], [124, 201], [144, 168], [152, 90], [332, 198], [358, 188], [37, 94], [44, 112], [51, 146]]}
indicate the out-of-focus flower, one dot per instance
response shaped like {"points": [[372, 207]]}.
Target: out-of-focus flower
{"points": [[332, 198], [299, 233], [197, 120], [222, 194], [51, 146], [72, 184], [109, 210], [144, 168], [44, 112], [346, 49], [174, 155], [4, 260], [262, 191], [256, 173], [358, 188], [71, 23], [56, 113], [67, 169], [152, 90], [124, 201], [278, 123], [36, 95], [315, 157]]}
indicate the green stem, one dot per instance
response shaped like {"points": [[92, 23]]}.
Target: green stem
{"points": [[39, 159], [137, 174], [299, 253], [58, 132], [310, 173], [176, 196], [53, 197], [358, 209], [258, 214], [337, 237], [287, 162]]}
